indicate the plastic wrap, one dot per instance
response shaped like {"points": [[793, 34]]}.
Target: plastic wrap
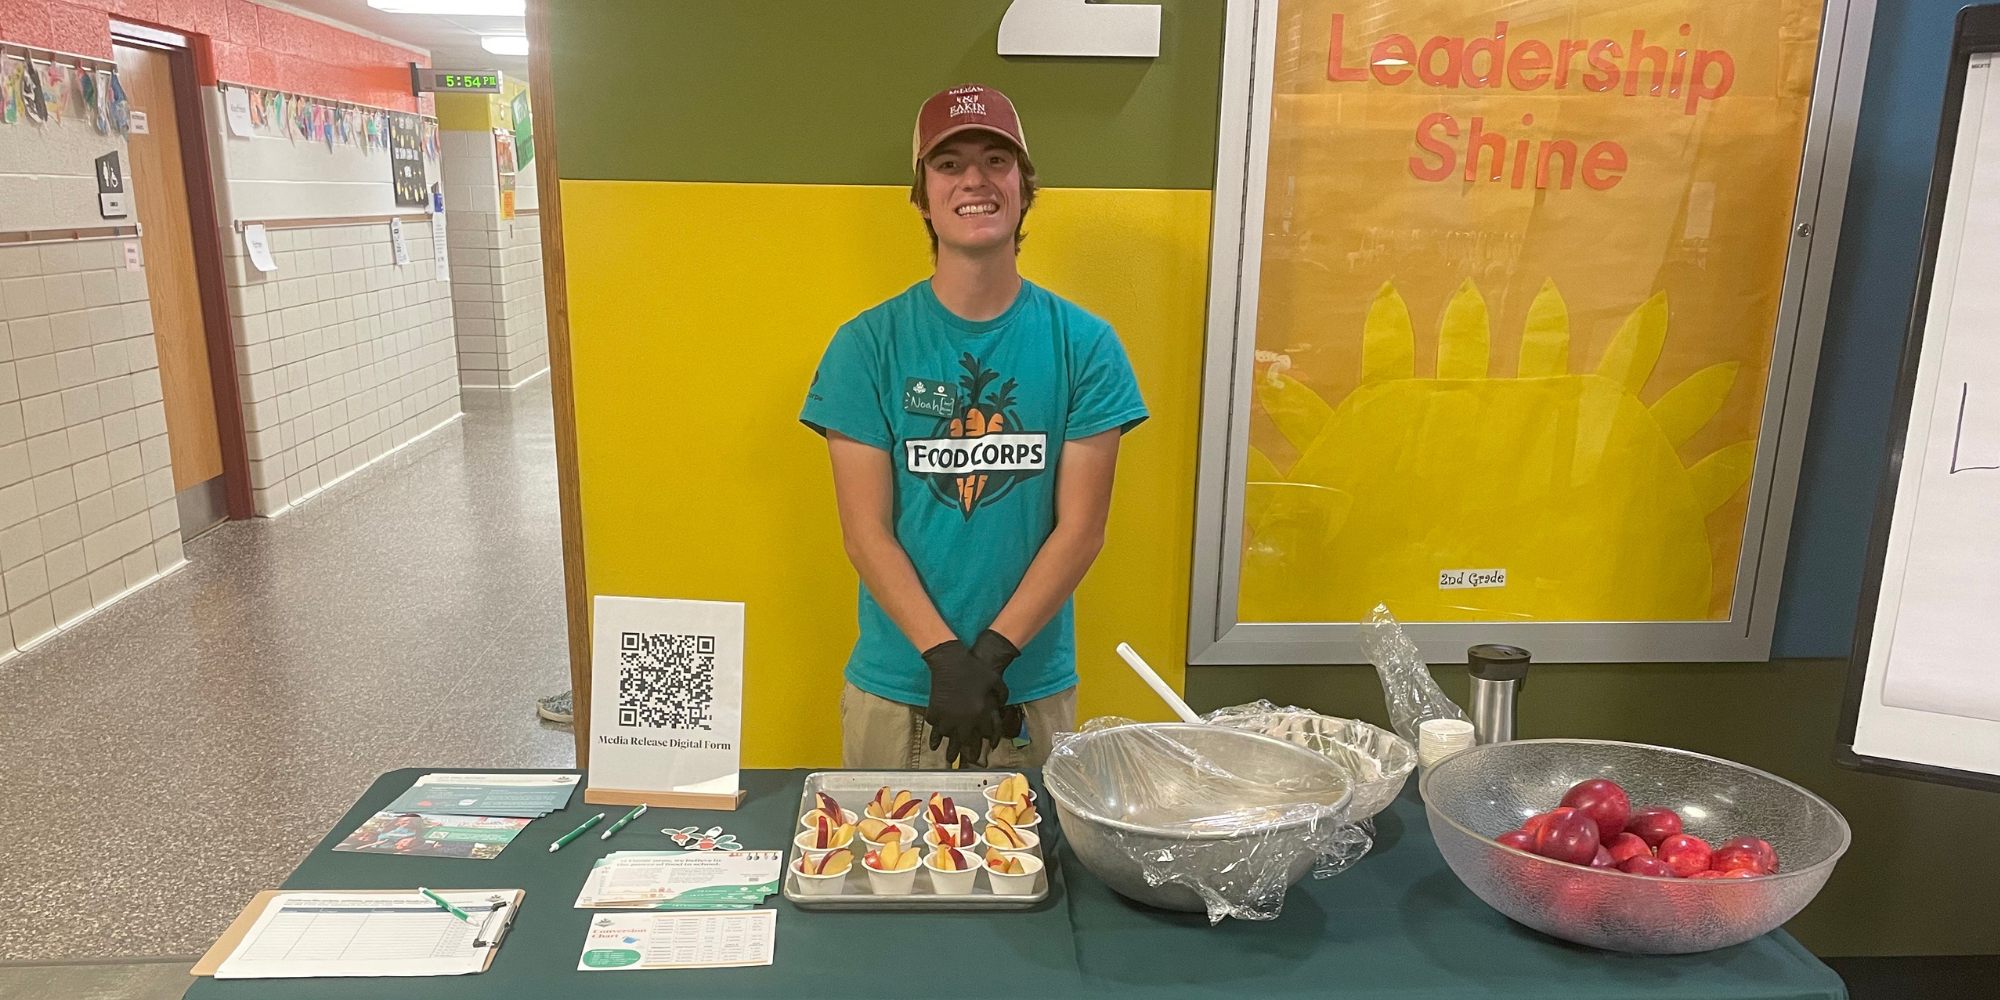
{"points": [[1378, 761], [1200, 817], [1413, 695]]}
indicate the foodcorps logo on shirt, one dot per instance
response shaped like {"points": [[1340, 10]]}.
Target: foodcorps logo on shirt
{"points": [[977, 456], [990, 453]]}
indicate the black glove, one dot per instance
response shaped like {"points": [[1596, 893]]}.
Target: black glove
{"points": [[998, 652], [964, 710]]}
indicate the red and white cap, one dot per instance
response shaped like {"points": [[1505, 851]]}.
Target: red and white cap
{"points": [[963, 109]]}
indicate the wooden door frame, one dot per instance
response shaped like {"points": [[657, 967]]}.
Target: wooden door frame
{"points": [[562, 388], [205, 229]]}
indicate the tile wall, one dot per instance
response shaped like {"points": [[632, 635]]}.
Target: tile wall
{"points": [[496, 267], [86, 493], [342, 355], [496, 277]]}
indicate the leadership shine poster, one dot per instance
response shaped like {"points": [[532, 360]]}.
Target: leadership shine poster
{"points": [[1521, 271]]}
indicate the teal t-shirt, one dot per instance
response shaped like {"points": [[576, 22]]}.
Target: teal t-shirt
{"points": [[974, 416]]}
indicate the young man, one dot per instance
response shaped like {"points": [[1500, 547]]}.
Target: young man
{"points": [[973, 426]]}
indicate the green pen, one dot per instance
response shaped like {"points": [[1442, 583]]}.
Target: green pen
{"points": [[439, 900], [620, 825], [578, 832]]}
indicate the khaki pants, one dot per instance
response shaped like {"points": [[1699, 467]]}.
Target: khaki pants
{"points": [[879, 734]]}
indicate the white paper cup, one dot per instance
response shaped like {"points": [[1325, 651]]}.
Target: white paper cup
{"points": [[1031, 849], [867, 811], [987, 792], [1440, 738], [804, 842], [891, 883], [1030, 825], [1015, 885], [909, 833], [846, 816], [821, 885], [931, 840], [953, 883], [963, 813]]}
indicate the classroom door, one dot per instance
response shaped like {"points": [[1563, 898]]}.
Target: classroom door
{"points": [[159, 190]]}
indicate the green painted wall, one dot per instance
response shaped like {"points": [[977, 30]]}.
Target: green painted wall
{"points": [[801, 107], [1919, 879]]}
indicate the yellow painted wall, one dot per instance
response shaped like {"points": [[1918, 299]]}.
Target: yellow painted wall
{"points": [[697, 314], [468, 112]]}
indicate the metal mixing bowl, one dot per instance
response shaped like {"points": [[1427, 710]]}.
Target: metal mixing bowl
{"points": [[1477, 794], [1376, 759], [1216, 806]]}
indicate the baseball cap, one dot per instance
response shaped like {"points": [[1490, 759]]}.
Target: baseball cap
{"points": [[962, 109]]}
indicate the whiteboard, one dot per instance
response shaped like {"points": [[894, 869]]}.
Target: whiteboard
{"points": [[1928, 650]]}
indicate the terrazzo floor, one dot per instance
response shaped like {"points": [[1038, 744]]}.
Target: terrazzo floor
{"points": [[184, 748]]}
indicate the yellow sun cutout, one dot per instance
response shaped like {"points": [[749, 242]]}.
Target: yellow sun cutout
{"points": [[1567, 482]]}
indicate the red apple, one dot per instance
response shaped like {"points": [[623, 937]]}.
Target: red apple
{"points": [[1533, 824], [1745, 852], [1627, 845], [1603, 801], [1685, 854], [1603, 859], [1709, 874], [1646, 864], [1569, 836], [1654, 824], [1520, 840]]}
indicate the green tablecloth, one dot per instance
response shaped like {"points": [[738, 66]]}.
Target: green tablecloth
{"points": [[1397, 925]]}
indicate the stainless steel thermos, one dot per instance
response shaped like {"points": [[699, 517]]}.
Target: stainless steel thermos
{"points": [[1498, 673]]}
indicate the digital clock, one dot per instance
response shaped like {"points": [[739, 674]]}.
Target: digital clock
{"points": [[454, 81], [482, 82]]}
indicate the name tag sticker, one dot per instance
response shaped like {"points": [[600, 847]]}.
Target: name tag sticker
{"points": [[929, 397], [1471, 579]]}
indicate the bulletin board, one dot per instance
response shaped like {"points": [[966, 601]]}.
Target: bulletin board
{"points": [[1515, 332]]}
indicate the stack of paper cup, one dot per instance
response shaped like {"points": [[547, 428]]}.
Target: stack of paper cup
{"points": [[1440, 738]]}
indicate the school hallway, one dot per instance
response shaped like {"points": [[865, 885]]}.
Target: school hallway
{"points": [[409, 616]]}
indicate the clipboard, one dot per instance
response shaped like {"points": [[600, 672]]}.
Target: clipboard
{"points": [[225, 945]]}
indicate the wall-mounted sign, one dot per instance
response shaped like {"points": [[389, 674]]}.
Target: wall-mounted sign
{"points": [[503, 161], [524, 129], [454, 81], [1080, 28], [406, 162], [111, 187]]}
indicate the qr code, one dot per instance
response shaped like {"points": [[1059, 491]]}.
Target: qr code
{"points": [[666, 681]]}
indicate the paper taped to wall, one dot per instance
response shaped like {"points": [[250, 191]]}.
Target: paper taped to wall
{"points": [[237, 100], [258, 242]]}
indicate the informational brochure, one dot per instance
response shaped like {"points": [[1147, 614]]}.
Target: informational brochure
{"points": [[679, 940], [685, 880], [306, 934], [434, 835], [529, 795]]}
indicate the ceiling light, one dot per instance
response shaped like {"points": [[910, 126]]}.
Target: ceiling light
{"points": [[485, 8], [505, 45]]}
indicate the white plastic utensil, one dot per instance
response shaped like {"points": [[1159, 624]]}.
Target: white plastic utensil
{"points": [[1145, 671]]}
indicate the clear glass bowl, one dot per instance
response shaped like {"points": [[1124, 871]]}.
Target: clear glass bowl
{"points": [[1477, 794], [1378, 761]]}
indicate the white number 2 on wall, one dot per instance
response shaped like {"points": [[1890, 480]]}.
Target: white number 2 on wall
{"points": [[1080, 28]]}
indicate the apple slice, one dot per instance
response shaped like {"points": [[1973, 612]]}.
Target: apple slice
{"points": [[1003, 834], [905, 807], [966, 835]]}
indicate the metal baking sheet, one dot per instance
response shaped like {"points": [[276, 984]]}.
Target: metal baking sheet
{"points": [[853, 789]]}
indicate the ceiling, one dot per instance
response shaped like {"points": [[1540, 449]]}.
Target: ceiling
{"points": [[453, 40]]}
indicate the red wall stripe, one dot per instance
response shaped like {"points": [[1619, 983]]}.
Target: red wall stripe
{"points": [[234, 40]]}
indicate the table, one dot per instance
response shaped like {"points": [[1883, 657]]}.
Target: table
{"points": [[1398, 925]]}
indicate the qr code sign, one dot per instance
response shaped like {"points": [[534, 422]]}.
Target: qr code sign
{"points": [[666, 681]]}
